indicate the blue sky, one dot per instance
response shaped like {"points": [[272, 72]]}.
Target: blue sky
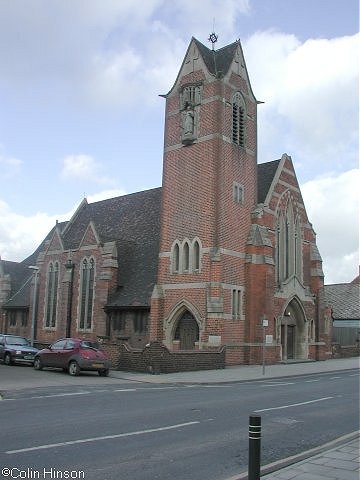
{"points": [[81, 113]]}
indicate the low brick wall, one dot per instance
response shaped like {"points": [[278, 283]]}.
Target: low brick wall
{"points": [[40, 345], [112, 350], [345, 351], [156, 358]]}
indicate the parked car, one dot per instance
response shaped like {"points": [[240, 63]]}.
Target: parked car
{"points": [[15, 349], [73, 355]]}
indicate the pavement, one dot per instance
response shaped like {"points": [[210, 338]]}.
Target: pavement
{"points": [[340, 463], [336, 460]]}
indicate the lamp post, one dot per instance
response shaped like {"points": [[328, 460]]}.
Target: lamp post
{"points": [[34, 305], [264, 323]]}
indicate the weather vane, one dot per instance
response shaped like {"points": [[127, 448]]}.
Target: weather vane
{"points": [[213, 39]]}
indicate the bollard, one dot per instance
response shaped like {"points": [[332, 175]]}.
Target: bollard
{"points": [[254, 447]]}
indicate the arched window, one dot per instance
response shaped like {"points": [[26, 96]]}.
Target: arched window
{"points": [[186, 257], [87, 276], [51, 294], [288, 246], [238, 120], [196, 254], [236, 304], [176, 258]]}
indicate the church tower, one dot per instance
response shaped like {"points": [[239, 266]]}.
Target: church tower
{"points": [[209, 191]]}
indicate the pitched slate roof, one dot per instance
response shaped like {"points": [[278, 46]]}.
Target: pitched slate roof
{"points": [[133, 222], [21, 298], [20, 277], [115, 218], [265, 175], [217, 61], [344, 298]]}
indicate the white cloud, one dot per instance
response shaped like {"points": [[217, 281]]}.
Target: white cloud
{"points": [[311, 99], [332, 205], [115, 77], [89, 26], [20, 235], [9, 166], [197, 18], [110, 49], [84, 168]]}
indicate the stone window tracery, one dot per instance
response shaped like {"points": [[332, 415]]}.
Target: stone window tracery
{"points": [[87, 276], [51, 294], [238, 193], [288, 245], [190, 95]]}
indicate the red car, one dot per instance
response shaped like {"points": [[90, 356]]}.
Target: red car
{"points": [[73, 355]]}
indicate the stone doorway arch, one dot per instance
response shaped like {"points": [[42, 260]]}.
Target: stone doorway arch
{"points": [[294, 333], [187, 331]]}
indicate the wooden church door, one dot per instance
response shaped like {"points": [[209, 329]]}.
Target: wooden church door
{"points": [[187, 332]]}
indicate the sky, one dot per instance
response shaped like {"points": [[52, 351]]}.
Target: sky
{"points": [[81, 113]]}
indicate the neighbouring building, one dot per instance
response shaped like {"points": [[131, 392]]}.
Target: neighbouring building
{"points": [[344, 302], [221, 258]]}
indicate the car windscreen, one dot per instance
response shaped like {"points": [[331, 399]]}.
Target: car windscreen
{"points": [[16, 341], [89, 344]]}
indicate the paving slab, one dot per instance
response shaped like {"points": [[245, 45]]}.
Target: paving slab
{"points": [[328, 465]]}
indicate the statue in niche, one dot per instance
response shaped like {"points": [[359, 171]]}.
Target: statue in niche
{"points": [[190, 98], [189, 118], [188, 124]]}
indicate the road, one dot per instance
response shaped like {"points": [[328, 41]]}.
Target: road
{"points": [[186, 432]]}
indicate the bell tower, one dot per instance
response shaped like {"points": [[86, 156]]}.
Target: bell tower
{"points": [[209, 190]]}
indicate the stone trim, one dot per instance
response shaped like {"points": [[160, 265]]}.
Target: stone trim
{"points": [[259, 259]]}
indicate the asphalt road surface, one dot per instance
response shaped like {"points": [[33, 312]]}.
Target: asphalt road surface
{"points": [[178, 432]]}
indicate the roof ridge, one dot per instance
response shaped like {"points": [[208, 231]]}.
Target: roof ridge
{"points": [[217, 61], [126, 195]]}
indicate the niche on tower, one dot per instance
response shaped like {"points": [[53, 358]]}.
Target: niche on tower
{"points": [[190, 99]]}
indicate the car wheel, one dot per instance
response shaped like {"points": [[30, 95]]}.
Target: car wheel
{"points": [[8, 359], [74, 369], [103, 373], [37, 364]]}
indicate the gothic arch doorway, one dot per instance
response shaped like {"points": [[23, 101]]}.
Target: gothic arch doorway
{"points": [[187, 331], [294, 333]]}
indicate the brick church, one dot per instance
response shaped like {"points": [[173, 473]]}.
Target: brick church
{"points": [[221, 258]]}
